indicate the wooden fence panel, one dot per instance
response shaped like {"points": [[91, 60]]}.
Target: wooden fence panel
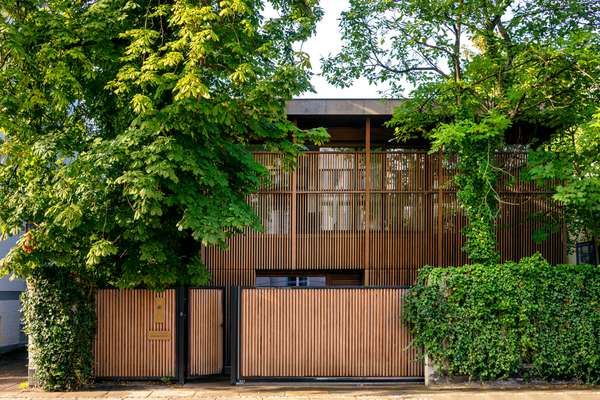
{"points": [[325, 333], [206, 332], [135, 334]]}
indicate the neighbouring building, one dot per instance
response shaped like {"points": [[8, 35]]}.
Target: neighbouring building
{"points": [[11, 333]]}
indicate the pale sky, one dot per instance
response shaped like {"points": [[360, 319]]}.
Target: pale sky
{"points": [[328, 41]]}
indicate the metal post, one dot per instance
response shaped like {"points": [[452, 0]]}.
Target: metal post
{"points": [[224, 328], [181, 333], [235, 335]]}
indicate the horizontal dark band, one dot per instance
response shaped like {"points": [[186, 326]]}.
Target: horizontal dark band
{"points": [[9, 295]]}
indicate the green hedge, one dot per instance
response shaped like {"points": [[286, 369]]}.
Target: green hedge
{"points": [[60, 318], [527, 319]]}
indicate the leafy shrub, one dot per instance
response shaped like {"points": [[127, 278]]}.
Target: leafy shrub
{"points": [[60, 319], [527, 319]]}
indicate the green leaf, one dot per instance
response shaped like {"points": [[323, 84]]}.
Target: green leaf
{"points": [[190, 86]]}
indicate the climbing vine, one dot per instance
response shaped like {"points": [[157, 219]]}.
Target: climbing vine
{"points": [[472, 146], [60, 320]]}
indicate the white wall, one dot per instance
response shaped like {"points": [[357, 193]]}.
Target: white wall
{"points": [[10, 325], [7, 284], [10, 306], [6, 245]]}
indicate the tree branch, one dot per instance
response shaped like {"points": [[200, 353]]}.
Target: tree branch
{"points": [[432, 64], [381, 64], [423, 43], [378, 63]]}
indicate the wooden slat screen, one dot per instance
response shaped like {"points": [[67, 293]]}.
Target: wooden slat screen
{"points": [[325, 333], [206, 332], [135, 334], [330, 231], [270, 249], [317, 217]]}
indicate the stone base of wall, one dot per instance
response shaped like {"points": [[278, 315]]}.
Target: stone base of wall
{"points": [[440, 381]]}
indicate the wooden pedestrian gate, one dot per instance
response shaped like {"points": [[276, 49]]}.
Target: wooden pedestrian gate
{"points": [[206, 332], [338, 333], [144, 334]]}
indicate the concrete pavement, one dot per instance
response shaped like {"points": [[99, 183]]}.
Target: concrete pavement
{"points": [[217, 391], [13, 373]]}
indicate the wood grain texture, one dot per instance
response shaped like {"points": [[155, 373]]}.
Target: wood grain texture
{"points": [[206, 332], [130, 342], [325, 333]]}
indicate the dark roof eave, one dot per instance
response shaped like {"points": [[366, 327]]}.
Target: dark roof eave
{"points": [[365, 107]]}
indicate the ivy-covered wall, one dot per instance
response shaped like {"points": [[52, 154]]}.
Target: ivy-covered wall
{"points": [[524, 319], [60, 320]]}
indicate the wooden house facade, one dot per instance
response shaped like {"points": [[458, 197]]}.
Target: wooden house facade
{"points": [[367, 210], [317, 294]]}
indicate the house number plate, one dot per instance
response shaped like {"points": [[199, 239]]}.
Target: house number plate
{"points": [[159, 335]]}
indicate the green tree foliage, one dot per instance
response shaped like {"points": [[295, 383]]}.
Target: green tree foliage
{"points": [[570, 163], [517, 68], [527, 319], [128, 127], [126, 132]]}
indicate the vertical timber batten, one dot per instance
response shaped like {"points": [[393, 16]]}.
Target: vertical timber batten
{"points": [[325, 333], [205, 332], [135, 334], [365, 210], [293, 212], [367, 191]]}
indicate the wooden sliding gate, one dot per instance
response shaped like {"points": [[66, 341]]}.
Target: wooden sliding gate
{"points": [[340, 333], [144, 334]]}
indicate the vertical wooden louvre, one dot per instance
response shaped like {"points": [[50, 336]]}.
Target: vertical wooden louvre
{"points": [[325, 333], [269, 249], [135, 334], [409, 213], [205, 332], [331, 210]]}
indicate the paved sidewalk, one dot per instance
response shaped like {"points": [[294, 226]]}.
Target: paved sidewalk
{"points": [[13, 372], [305, 392], [13, 369]]}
